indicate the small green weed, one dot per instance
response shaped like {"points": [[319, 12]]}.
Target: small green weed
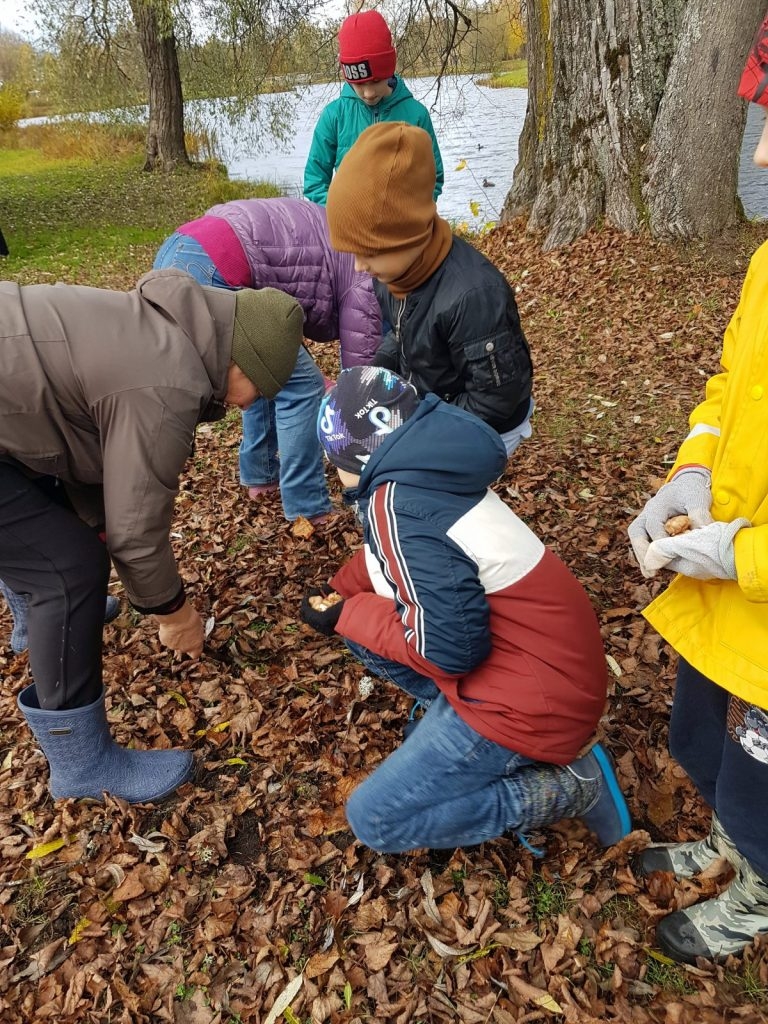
{"points": [[30, 903], [749, 982], [458, 877], [623, 907], [587, 950], [259, 627], [670, 977], [238, 544], [415, 959], [547, 898], [500, 894]]}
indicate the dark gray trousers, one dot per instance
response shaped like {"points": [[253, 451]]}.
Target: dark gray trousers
{"points": [[62, 567]]}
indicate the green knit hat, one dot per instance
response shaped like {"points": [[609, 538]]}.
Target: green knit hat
{"points": [[267, 334]]}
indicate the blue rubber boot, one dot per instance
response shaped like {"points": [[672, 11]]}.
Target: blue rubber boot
{"points": [[18, 607], [86, 762], [608, 815]]}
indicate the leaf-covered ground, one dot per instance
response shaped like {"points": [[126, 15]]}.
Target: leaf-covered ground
{"points": [[245, 898]]}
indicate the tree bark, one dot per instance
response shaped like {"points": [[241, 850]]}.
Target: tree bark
{"points": [[632, 115], [166, 148]]}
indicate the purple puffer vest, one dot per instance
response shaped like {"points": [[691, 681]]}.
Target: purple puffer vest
{"points": [[287, 246]]}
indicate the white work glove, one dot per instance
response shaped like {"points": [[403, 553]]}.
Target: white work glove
{"points": [[182, 630], [688, 493], [703, 554]]}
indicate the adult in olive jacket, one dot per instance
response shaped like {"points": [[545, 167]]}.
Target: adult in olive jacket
{"points": [[100, 395]]}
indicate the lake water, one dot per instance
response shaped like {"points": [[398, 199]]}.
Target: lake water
{"points": [[474, 124]]}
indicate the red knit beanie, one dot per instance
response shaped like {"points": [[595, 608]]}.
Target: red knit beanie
{"points": [[365, 48]]}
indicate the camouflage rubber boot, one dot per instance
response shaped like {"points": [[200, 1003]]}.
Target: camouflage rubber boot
{"points": [[719, 927], [685, 860]]}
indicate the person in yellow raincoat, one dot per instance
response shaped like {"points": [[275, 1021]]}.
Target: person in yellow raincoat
{"points": [[715, 615]]}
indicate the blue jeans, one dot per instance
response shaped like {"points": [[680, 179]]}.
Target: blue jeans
{"points": [[445, 786], [733, 782], [286, 425], [514, 438], [184, 253], [280, 442]]}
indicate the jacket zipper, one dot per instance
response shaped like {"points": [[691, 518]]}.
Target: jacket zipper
{"points": [[400, 312], [398, 321]]}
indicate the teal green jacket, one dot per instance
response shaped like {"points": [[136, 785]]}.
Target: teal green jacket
{"points": [[342, 121]]}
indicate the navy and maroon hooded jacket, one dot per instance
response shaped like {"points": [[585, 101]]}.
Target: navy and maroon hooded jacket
{"points": [[452, 583]]}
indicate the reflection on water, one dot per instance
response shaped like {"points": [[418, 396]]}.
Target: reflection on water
{"points": [[474, 124]]}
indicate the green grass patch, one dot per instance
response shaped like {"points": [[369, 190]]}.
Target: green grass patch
{"points": [[670, 977], [623, 908], [749, 983], [27, 161], [514, 75], [98, 221]]}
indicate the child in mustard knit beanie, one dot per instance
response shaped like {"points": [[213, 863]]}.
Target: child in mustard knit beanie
{"points": [[455, 326]]}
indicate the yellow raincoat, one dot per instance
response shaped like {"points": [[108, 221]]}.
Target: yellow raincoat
{"points": [[721, 627]]}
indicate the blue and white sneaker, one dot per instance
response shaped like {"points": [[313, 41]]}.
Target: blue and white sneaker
{"points": [[608, 815]]}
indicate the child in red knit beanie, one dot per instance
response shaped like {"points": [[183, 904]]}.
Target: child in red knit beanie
{"points": [[372, 93]]}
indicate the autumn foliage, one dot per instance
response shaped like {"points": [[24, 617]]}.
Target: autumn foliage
{"points": [[245, 898]]}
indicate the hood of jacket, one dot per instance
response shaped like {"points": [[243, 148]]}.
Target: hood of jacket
{"points": [[440, 448]]}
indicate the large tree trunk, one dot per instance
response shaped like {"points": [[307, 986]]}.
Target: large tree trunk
{"points": [[166, 147], [632, 115]]}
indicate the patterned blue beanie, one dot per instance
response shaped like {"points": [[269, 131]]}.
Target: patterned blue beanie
{"points": [[360, 412]]}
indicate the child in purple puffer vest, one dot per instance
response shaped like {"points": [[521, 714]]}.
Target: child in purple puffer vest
{"points": [[283, 243]]}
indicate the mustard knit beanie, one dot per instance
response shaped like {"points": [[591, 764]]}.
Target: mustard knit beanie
{"points": [[267, 334], [381, 198]]}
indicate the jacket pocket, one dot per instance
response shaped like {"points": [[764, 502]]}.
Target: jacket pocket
{"points": [[54, 464], [495, 360]]}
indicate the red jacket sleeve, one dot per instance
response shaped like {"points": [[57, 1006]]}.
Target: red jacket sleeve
{"points": [[373, 621], [353, 577]]}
